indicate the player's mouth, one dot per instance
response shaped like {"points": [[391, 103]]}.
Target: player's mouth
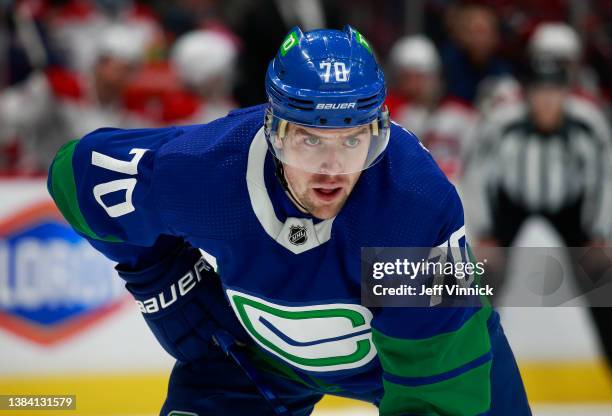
{"points": [[328, 194]]}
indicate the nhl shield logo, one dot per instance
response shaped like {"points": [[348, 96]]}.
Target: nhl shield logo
{"points": [[297, 235]]}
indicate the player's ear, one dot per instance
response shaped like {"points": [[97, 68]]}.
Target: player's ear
{"points": [[278, 143]]}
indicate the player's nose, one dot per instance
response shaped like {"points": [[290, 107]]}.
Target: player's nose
{"points": [[332, 163]]}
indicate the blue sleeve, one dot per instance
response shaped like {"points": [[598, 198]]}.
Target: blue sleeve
{"points": [[435, 360], [105, 185], [108, 186]]}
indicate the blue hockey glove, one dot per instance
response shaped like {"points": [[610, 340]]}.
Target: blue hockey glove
{"points": [[182, 301]]}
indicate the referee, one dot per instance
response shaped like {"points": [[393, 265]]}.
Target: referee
{"points": [[549, 156]]}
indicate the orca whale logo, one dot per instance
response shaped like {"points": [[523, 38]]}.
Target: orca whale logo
{"points": [[319, 338]]}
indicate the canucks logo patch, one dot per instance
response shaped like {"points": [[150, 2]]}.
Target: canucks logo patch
{"points": [[318, 338], [297, 235]]}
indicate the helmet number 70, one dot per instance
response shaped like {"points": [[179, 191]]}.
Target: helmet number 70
{"points": [[340, 71]]}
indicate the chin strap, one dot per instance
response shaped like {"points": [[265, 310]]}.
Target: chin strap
{"points": [[280, 175]]}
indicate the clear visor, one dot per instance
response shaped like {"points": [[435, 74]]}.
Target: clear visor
{"points": [[330, 151]]}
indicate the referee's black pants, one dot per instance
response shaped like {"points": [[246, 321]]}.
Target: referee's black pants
{"points": [[508, 217]]}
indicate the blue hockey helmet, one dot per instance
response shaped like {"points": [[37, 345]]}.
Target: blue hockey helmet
{"points": [[326, 81]]}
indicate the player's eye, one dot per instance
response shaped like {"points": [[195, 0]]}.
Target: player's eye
{"points": [[312, 141], [352, 142]]}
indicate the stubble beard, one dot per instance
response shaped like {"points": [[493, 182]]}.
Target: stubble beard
{"points": [[322, 211]]}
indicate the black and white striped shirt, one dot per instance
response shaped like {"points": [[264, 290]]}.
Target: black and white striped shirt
{"points": [[544, 173]]}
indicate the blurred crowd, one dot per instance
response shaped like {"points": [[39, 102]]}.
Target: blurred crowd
{"points": [[455, 69]]}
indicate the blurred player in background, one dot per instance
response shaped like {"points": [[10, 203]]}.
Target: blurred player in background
{"points": [[205, 62], [444, 125], [544, 157], [76, 26], [284, 195], [54, 104], [417, 83], [473, 54], [559, 41]]}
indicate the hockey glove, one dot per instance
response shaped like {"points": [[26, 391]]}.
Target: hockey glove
{"points": [[182, 301]]}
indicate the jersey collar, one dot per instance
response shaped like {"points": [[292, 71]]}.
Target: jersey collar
{"points": [[295, 234]]}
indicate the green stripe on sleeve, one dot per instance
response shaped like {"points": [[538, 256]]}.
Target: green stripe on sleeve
{"points": [[63, 191], [435, 355], [468, 394]]}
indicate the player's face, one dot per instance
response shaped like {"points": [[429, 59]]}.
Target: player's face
{"points": [[112, 75], [546, 104], [418, 86], [333, 151], [326, 151]]}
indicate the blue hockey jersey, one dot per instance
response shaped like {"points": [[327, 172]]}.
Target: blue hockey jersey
{"points": [[214, 186]]}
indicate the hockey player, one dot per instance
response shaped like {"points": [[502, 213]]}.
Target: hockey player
{"points": [[284, 195], [204, 61], [444, 125], [55, 104], [417, 85]]}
